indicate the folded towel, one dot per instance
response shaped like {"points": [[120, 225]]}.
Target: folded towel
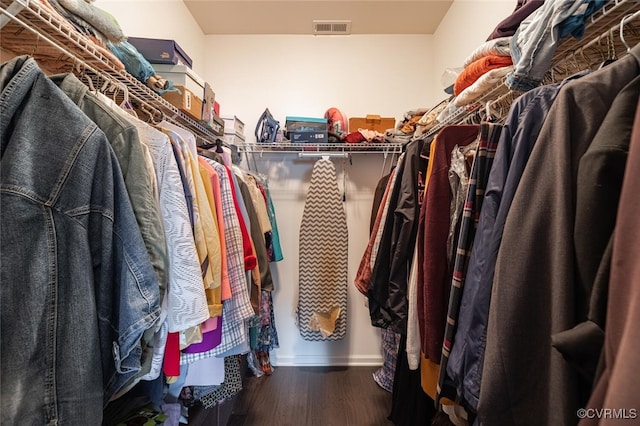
{"points": [[496, 47], [482, 85], [473, 71]]}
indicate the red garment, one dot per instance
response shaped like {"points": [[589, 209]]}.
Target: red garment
{"points": [[171, 363], [434, 278], [362, 280], [355, 137], [250, 260], [477, 68]]}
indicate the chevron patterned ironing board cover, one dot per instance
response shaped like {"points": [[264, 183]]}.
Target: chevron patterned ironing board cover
{"points": [[323, 255]]}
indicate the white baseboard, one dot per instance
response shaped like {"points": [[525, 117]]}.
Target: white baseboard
{"points": [[323, 360]]}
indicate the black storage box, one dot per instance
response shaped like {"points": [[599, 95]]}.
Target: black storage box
{"points": [[158, 51], [308, 137]]}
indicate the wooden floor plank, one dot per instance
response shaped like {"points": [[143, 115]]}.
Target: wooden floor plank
{"points": [[312, 396]]}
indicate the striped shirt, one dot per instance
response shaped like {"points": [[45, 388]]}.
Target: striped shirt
{"points": [[487, 145]]}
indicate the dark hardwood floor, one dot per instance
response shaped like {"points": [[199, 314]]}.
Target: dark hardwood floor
{"points": [[312, 396]]}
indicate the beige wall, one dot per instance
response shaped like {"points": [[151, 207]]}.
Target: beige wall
{"points": [[304, 75]]}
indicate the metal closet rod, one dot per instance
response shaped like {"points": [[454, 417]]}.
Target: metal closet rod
{"points": [[316, 154]]}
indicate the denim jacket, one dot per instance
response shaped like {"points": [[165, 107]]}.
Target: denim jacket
{"points": [[78, 289], [537, 38]]}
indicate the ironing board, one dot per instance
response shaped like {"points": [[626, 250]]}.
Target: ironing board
{"points": [[323, 258]]}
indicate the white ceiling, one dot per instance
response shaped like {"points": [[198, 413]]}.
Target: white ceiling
{"points": [[296, 16]]}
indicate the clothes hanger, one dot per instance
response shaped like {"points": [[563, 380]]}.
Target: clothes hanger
{"points": [[608, 53], [78, 68], [488, 115], [624, 20], [585, 58], [88, 81], [125, 105], [576, 64], [204, 143], [106, 87], [150, 117], [611, 50]]}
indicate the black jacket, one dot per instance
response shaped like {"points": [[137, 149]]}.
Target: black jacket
{"points": [[388, 293]]}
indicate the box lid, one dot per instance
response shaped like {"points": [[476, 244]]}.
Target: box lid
{"points": [[178, 69], [307, 119], [231, 118], [138, 42]]}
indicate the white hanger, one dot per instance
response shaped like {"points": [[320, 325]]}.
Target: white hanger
{"points": [[624, 20]]}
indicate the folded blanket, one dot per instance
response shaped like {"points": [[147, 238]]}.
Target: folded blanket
{"points": [[482, 85], [64, 18], [99, 19], [497, 47], [471, 73]]}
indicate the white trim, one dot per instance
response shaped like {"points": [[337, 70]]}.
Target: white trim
{"points": [[322, 361]]}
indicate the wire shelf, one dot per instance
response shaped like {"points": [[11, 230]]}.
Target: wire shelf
{"points": [[601, 24], [349, 148], [33, 28]]}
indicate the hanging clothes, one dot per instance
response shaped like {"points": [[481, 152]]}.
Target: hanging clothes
{"points": [[231, 386], [64, 259], [410, 406], [260, 225], [534, 291], [324, 242], [275, 249], [186, 302], [465, 361], [617, 386], [363, 277], [600, 176], [488, 141], [388, 292], [433, 228], [237, 309], [125, 142]]}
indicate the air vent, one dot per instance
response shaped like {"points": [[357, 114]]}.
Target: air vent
{"points": [[332, 27]]}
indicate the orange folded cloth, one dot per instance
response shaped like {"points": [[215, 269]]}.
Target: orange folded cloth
{"points": [[476, 69]]}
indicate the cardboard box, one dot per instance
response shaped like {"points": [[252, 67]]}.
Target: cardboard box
{"points": [[182, 75], [160, 51], [372, 122], [186, 102], [217, 124]]}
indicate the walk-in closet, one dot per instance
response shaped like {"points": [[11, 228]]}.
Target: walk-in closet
{"points": [[319, 213]]}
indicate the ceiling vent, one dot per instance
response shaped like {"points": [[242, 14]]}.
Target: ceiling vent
{"points": [[331, 27]]}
